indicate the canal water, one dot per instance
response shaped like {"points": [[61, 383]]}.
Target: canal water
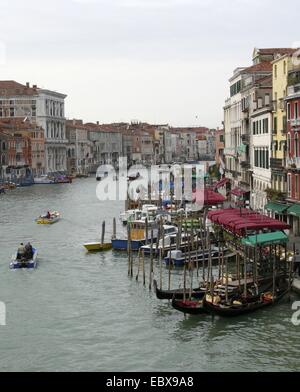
{"points": [[81, 312]]}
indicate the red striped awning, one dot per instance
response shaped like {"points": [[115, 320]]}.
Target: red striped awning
{"points": [[238, 192]]}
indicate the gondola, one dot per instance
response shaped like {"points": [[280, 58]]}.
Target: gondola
{"points": [[189, 306], [251, 304], [177, 293]]}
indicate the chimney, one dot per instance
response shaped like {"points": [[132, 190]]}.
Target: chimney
{"points": [[97, 123], [27, 84], [34, 86]]}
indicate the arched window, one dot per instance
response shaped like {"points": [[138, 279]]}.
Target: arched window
{"points": [[296, 145], [289, 144]]}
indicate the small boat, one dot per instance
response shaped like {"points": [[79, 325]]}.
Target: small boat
{"points": [[240, 306], [43, 220], [130, 215], [97, 246], [2, 190], [178, 258], [43, 180], [188, 306], [177, 293], [20, 263]]}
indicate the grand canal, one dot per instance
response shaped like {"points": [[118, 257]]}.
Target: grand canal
{"points": [[80, 312]]}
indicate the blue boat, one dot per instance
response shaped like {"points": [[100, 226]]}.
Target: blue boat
{"points": [[122, 244], [20, 264], [179, 258]]}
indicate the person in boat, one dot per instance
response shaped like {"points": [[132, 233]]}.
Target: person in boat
{"points": [[48, 215], [21, 251], [28, 251], [297, 263]]}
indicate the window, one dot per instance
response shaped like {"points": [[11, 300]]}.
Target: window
{"points": [[296, 145], [275, 71], [296, 111], [289, 185], [297, 185], [284, 67], [275, 124], [288, 111]]}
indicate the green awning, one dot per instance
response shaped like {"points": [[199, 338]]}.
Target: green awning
{"points": [[242, 148], [278, 208], [278, 237], [294, 210]]}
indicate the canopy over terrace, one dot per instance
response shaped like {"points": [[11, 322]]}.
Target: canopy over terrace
{"points": [[278, 237], [239, 221], [207, 197]]}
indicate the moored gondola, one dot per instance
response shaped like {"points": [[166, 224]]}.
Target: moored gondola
{"points": [[177, 293], [242, 306], [193, 306]]}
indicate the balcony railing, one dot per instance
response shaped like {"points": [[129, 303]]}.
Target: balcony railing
{"points": [[276, 164], [294, 89], [293, 163], [295, 122], [245, 139]]}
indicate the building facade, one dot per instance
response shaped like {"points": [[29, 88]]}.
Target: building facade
{"points": [[45, 108], [79, 148]]}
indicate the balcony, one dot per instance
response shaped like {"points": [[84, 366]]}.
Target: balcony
{"points": [[294, 89], [230, 151], [295, 122], [293, 163], [274, 106], [245, 139], [277, 165]]}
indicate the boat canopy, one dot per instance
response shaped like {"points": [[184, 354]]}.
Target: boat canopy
{"points": [[208, 197], [277, 237], [238, 221]]}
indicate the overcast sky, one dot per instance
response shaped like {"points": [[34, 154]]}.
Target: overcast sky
{"points": [[161, 61]]}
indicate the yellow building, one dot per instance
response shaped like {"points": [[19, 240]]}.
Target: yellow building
{"points": [[281, 66]]}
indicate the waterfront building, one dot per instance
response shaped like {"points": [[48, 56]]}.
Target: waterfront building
{"points": [[260, 141], [51, 117], [107, 144], [17, 153], [79, 148], [240, 153], [43, 107], [187, 143], [219, 146], [292, 101]]}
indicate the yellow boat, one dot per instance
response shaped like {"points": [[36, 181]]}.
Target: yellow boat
{"points": [[97, 246], [43, 220]]}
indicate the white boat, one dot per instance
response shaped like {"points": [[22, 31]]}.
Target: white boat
{"points": [[131, 215], [43, 180]]}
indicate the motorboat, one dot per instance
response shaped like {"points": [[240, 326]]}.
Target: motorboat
{"points": [[17, 263], [45, 220]]}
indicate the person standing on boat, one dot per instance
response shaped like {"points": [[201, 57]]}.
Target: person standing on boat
{"points": [[297, 262], [28, 251], [48, 215], [21, 251]]}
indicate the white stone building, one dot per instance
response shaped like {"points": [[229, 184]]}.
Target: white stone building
{"points": [[51, 117], [45, 108]]}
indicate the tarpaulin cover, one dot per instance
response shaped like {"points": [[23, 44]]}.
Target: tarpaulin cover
{"points": [[238, 221]]}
